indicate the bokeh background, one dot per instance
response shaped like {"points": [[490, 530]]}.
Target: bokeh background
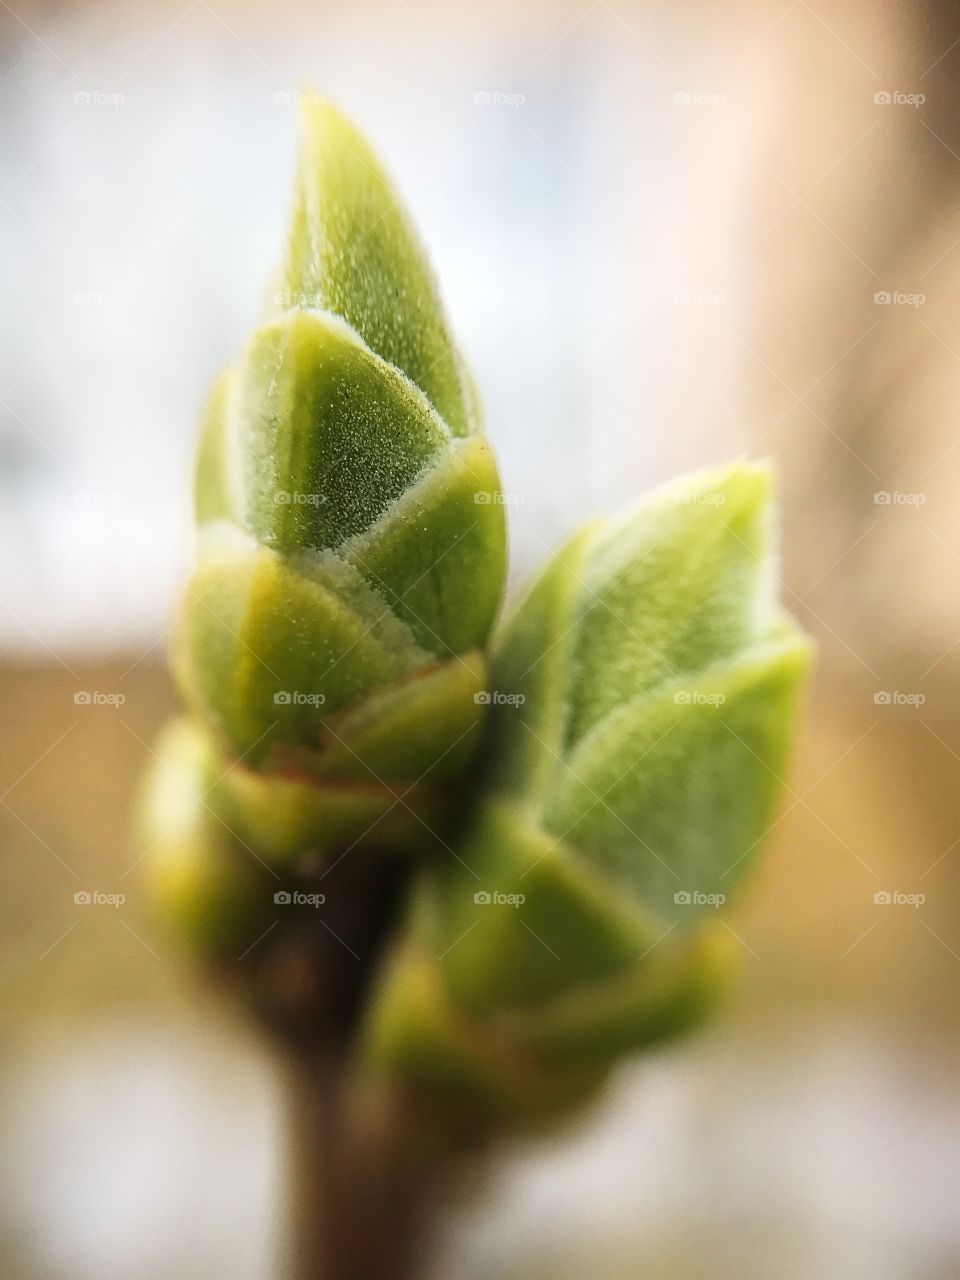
{"points": [[667, 233]]}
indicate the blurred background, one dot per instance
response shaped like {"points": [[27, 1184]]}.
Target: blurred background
{"points": [[667, 233]]}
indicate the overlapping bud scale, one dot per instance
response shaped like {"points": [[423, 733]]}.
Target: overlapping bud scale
{"points": [[629, 778]]}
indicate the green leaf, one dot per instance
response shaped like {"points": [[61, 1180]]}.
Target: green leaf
{"points": [[534, 652], [677, 582], [532, 916], [353, 251], [672, 794], [300, 666], [330, 435], [648, 1003], [213, 894], [352, 547], [644, 697], [472, 1076], [654, 685], [437, 557], [211, 825], [671, 586], [266, 651], [424, 726]]}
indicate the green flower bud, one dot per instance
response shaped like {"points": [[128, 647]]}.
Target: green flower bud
{"points": [[353, 251], [211, 892], [220, 842], [278, 818], [644, 694], [351, 548], [332, 649]]}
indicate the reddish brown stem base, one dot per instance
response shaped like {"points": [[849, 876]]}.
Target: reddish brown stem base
{"points": [[366, 1182]]}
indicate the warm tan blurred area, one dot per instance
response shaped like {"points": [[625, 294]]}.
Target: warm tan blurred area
{"points": [[704, 230]]}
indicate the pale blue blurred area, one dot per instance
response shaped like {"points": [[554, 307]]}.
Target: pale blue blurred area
{"points": [[824, 1149], [136, 1151], [643, 281]]}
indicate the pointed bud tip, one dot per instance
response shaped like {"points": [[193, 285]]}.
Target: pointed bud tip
{"points": [[321, 121], [743, 488], [740, 492]]}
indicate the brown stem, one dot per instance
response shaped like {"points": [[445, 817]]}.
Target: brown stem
{"points": [[366, 1165], [365, 1180]]}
